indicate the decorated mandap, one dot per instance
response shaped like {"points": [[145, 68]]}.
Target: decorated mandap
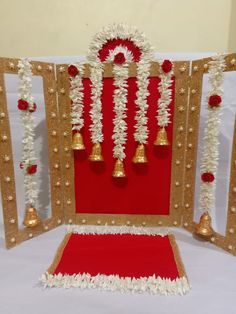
{"points": [[122, 132]]}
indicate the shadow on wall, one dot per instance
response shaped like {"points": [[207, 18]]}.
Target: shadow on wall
{"points": [[44, 197], [232, 28]]}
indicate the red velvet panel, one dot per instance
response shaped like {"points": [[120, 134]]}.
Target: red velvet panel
{"points": [[146, 190], [124, 255]]}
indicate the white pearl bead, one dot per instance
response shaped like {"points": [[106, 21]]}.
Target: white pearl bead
{"points": [[233, 209], [113, 222], [59, 221], [83, 221], [68, 202], [175, 223], [2, 115], [13, 240], [7, 179], [186, 224], [70, 221]]}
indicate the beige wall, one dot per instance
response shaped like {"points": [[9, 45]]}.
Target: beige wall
{"points": [[65, 27]]}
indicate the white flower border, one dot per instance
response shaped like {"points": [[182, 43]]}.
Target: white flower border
{"points": [[121, 75], [112, 53], [28, 152], [96, 72], [164, 88], [77, 96], [141, 129], [122, 31], [152, 284], [209, 162], [106, 229]]}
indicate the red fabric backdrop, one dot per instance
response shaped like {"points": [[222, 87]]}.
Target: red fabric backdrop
{"points": [[146, 190], [124, 255]]}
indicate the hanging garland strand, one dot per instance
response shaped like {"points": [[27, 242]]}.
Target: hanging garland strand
{"points": [[96, 72], [121, 74], [76, 95], [27, 106], [163, 110], [209, 163], [141, 129]]}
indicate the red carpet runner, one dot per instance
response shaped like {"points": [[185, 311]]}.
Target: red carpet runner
{"points": [[125, 262]]}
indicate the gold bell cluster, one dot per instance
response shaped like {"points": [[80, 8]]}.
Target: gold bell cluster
{"points": [[96, 154], [140, 155], [77, 142], [161, 139], [31, 217], [119, 171], [204, 228]]}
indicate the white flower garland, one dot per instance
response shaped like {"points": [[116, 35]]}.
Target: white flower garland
{"points": [[28, 153], [141, 129], [121, 74], [152, 284], [96, 71], [106, 229], [164, 88], [77, 96], [121, 31], [127, 54], [210, 156]]}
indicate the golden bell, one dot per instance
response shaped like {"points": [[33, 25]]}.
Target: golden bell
{"points": [[204, 228], [161, 138], [31, 217], [96, 154], [77, 142], [140, 156], [119, 171]]}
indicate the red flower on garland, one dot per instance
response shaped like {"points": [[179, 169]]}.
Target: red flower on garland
{"points": [[72, 70], [21, 165], [34, 108], [22, 104], [119, 58], [214, 100], [166, 66], [32, 169], [208, 177]]}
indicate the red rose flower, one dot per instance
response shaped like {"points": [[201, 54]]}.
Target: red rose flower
{"points": [[214, 100], [22, 104], [21, 165], [119, 58], [72, 70], [32, 169], [34, 108], [208, 177], [166, 66]]}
